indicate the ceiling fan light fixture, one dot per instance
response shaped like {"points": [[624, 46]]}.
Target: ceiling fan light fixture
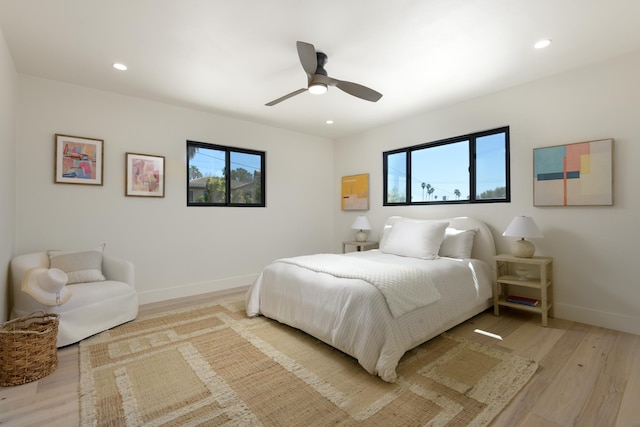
{"points": [[318, 88], [541, 44]]}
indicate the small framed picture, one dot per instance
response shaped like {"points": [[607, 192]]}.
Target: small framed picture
{"points": [[355, 192], [78, 160], [145, 175]]}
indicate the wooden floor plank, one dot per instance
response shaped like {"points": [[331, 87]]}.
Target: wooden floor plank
{"points": [[601, 409], [533, 420], [549, 366], [605, 399], [629, 412], [570, 389], [532, 341]]}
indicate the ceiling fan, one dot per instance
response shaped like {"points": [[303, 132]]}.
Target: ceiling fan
{"points": [[313, 63]]}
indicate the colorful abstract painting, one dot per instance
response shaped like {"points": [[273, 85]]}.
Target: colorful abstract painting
{"points": [[145, 175], [78, 160], [579, 174]]}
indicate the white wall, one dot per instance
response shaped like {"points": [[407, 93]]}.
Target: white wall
{"points": [[177, 250], [181, 251], [594, 248], [8, 89]]}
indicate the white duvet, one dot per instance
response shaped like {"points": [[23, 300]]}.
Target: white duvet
{"points": [[353, 316], [404, 287]]}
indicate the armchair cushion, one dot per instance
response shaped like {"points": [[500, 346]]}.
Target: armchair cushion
{"points": [[80, 266]]}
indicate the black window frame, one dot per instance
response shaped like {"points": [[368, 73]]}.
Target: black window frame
{"points": [[228, 150], [471, 138]]}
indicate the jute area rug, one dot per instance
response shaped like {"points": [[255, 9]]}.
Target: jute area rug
{"points": [[211, 365]]}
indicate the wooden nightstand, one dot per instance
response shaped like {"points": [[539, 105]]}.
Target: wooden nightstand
{"points": [[360, 246], [507, 282]]}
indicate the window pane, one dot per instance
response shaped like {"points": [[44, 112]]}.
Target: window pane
{"points": [[397, 178], [246, 183], [207, 181], [491, 168], [440, 173], [467, 169]]}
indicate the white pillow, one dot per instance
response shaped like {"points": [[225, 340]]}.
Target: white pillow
{"points": [[80, 266], [457, 243], [417, 239]]}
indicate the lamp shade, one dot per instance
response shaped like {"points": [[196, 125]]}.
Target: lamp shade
{"points": [[523, 227], [361, 223]]}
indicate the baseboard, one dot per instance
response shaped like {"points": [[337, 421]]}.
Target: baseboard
{"points": [[226, 284], [604, 319]]}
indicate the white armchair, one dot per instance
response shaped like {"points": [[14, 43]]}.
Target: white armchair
{"points": [[92, 308]]}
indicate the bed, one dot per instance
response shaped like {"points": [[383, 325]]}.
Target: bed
{"points": [[426, 277]]}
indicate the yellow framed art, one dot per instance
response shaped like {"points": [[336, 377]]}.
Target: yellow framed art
{"points": [[355, 192]]}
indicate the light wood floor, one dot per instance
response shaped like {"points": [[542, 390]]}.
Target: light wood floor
{"points": [[587, 376]]}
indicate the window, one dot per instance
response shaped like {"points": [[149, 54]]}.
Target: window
{"points": [[466, 169], [224, 176]]}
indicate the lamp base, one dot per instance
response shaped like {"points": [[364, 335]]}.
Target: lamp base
{"points": [[361, 236], [523, 249]]}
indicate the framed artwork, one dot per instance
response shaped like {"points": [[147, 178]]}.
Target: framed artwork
{"points": [[78, 160], [355, 192], [579, 174], [145, 175]]}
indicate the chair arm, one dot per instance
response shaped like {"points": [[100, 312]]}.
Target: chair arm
{"points": [[21, 302], [23, 263], [118, 269]]}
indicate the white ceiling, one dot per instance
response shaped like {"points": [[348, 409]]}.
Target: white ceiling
{"points": [[233, 56]]}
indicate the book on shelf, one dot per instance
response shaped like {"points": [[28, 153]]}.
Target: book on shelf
{"points": [[522, 300]]}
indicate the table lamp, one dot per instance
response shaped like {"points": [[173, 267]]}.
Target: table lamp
{"points": [[361, 223], [523, 227]]}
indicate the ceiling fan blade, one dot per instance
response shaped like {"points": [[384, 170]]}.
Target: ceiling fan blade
{"points": [[358, 90], [287, 96], [308, 59], [313, 64]]}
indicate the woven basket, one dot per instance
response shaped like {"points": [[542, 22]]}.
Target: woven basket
{"points": [[28, 348]]}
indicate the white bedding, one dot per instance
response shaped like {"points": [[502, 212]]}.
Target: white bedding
{"points": [[404, 287], [353, 316]]}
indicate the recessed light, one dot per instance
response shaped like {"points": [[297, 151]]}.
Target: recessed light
{"points": [[541, 44], [329, 122], [120, 66]]}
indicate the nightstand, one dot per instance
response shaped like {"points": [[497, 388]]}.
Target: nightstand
{"points": [[506, 282], [360, 246]]}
